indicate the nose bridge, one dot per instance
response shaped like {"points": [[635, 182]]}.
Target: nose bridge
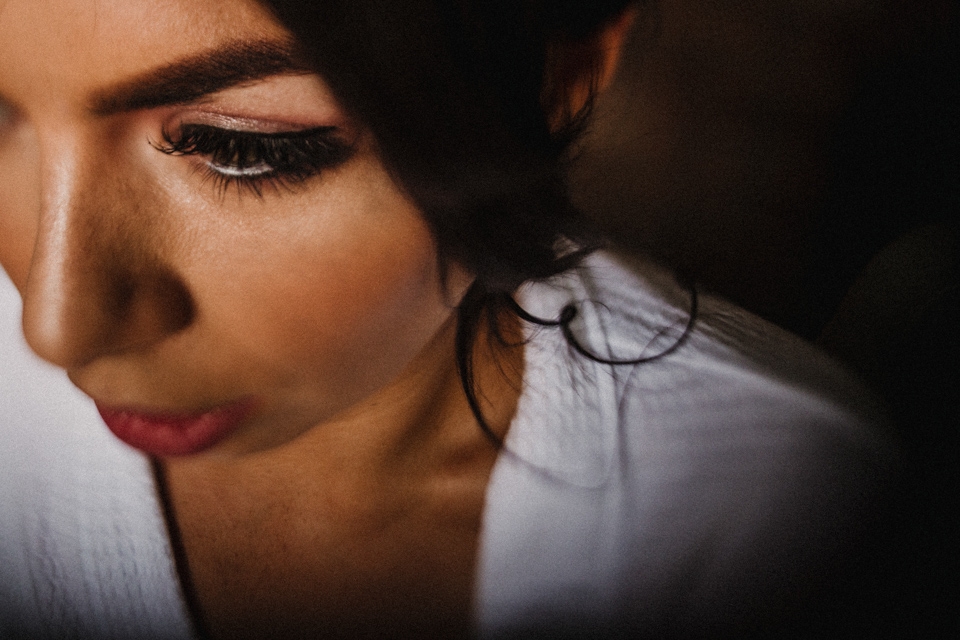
{"points": [[96, 284]]}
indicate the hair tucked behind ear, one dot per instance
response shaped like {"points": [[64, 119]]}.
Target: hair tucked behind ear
{"points": [[468, 102]]}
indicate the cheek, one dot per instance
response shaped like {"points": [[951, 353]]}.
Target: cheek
{"points": [[342, 289], [353, 303]]}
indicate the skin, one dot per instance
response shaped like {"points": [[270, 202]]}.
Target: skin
{"points": [[285, 297], [349, 502]]}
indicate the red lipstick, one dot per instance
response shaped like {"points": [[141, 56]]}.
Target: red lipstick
{"points": [[175, 434]]}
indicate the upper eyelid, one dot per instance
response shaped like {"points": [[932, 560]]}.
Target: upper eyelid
{"points": [[215, 116], [277, 135], [292, 134]]}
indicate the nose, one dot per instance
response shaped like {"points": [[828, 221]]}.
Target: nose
{"points": [[97, 283]]}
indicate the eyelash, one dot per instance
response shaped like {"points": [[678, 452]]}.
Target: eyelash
{"points": [[255, 161]]}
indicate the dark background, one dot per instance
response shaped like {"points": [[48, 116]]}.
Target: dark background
{"points": [[801, 158]]}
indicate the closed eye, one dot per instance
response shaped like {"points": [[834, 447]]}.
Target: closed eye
{"points": [[251, 161]]}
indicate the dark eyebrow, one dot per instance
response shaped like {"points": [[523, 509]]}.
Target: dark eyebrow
{"points": [[192, 78]]}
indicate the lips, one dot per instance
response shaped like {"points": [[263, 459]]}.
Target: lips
{"points": [[175, 434]]}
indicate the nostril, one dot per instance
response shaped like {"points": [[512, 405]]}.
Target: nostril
{"points": [[174, 303], [124, 290], [150, 309]]}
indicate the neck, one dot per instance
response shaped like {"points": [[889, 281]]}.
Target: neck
{"points": [[386, 499]]}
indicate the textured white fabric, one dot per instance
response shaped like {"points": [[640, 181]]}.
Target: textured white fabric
{"points": [[684, 496], [699, 486], [83, 545]]}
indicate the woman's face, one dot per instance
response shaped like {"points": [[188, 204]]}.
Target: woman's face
{"points": [[202, 237]]}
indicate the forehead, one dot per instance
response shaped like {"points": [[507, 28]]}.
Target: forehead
{"points": [[61, 50]]}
